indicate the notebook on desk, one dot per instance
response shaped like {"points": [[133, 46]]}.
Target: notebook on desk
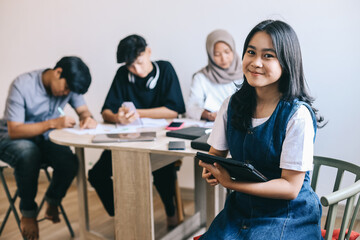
{"points": [[124, 137], [236, 169], [190, 133]]}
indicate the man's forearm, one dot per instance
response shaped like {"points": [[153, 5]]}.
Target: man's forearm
{"points": [[29, 130], [84, 115], [109, 116], [83, 112], [160, 112]]}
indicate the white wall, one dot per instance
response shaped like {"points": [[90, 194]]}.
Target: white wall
{"points": [[35, 34]]}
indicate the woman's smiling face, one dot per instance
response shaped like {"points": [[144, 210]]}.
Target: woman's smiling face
{"points": [[260, 63]]}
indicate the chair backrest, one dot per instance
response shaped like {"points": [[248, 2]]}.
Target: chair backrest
{"points": [[348, 193]]}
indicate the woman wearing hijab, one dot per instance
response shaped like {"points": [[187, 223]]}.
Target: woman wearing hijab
{"points": [[218, 80]]}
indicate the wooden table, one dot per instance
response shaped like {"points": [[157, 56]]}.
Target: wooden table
{"points": [[133, 186]]}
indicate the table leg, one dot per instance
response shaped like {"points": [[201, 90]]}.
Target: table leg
{"points": [[200, 193], [209, 201], [222, 198], [82, 194], [133, 195], [215, 202]]}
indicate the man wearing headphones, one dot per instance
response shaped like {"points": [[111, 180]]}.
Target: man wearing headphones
{"points": [[154, 89]]}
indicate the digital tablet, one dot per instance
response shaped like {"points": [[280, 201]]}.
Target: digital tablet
{"points": [[236, 169], [124, 137]]}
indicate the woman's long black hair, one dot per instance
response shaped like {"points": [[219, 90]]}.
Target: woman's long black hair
{"points": [[292, 83]]}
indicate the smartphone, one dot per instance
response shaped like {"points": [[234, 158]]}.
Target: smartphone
{"points": [[132, 108], [175, 125], [129, 105], [176, 145]]}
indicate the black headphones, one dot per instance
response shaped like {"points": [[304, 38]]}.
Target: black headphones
{"points": [[151, 83]]}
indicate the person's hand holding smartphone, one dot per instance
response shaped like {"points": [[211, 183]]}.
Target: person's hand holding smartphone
{"points": [[127, 114]]}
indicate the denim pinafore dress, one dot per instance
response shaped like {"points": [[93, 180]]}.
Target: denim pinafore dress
{"points": [[249, 217]]}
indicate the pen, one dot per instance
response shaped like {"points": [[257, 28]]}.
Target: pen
{"points": [[62, 114]]}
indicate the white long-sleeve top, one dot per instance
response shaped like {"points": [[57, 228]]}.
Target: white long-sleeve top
{"points": [[206, 95]]}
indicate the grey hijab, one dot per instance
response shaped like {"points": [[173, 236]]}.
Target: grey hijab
{"points": [[213, 72]]}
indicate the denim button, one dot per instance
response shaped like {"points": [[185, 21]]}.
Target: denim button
{"points": [[245, 227]]}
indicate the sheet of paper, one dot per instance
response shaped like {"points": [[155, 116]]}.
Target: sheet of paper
{"points": [[145, 122], [100, 129], [150, 122], [129, 127], [191, 122]]}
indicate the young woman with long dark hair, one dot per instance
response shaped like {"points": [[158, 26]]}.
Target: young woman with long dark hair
{"points": [[271, 123]]}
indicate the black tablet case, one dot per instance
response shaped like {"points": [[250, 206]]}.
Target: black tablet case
{"points": [[190, 133], [236, 169], [201, 143]]}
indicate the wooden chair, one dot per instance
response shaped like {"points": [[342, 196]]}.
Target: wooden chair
{"points": [[12, 199], [349, 193]]}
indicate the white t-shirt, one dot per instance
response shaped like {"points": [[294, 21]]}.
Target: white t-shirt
{"points": [[205, 94], [298, 147]]}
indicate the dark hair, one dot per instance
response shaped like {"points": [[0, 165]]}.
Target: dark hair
{"points": [[130, 48], [76, 73], [292, 83]]}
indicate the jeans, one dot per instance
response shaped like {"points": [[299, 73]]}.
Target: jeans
{"points": [[100, 177], [26, 156]]}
